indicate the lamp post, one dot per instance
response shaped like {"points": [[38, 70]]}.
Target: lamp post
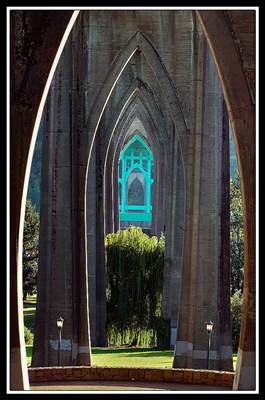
{"points": [[209, 328], [59, 321]]}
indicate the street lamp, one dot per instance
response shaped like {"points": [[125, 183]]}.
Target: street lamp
{"points": [[59, 321], [209, 328]]}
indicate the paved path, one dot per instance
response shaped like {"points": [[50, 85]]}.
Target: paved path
{"points": [[104, 385]]}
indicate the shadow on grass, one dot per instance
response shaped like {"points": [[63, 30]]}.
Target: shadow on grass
{"points": [[29, 321], [158, 353], [29, 305], [29, 353], [115, 350]]}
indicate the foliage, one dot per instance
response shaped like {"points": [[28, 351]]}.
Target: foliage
{"points": [[236, 236], [35, 172], [135, 264], [236, 311], [28, 336], [30, 249]]}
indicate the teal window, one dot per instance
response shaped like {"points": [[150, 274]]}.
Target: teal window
{"points": [[135, 182]]}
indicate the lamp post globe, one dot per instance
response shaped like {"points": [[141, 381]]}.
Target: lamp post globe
{"points": [[209, 328], [59, 322]]}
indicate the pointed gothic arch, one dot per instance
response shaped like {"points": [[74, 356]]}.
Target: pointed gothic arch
{"points": [[241, 120]]}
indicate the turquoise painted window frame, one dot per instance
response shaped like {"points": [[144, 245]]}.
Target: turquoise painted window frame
{"points": [[144, 163]]}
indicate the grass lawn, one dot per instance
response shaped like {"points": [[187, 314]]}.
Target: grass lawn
{"points": [[132, 357], [234, 360], [29, 354], [123, 357], [29, 309], [109, 356], [129, 357]]}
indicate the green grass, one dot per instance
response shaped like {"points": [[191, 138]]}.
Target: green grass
{"points": [[31, 299], [29, 354], [114, 357], [29, 310], [234, 360], [121, 357], [132, 357], [129, 357], [29, 314]]}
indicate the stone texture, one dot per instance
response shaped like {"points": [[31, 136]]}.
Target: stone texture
{"points": [[187, 173], [241, 114], [181, 376]]}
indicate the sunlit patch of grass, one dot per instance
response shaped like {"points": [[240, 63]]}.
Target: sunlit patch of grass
{"points": [[234, 360], [132, 357], [29, 354]]}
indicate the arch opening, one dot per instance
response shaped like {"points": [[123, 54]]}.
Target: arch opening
{"points": [[136, 163], [239, 146]]}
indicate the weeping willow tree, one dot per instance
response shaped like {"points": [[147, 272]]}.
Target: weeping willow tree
{"points": [[135, 264]]}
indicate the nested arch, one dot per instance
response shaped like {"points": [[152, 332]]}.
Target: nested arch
{"points": [[221, 57], [135, 165], [137, 104], [134, 140], [141, 43], [152, 122]]}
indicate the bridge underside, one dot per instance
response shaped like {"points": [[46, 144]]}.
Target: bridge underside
{"points": [[152, 69]]}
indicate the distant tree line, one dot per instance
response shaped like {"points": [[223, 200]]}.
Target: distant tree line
{"points": [[30, 249], [236, 257]]}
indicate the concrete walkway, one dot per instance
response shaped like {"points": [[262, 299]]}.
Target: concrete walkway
{"points": [[128, 386]]}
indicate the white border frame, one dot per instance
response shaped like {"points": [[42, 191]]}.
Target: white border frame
{"points": [[34, 135]]}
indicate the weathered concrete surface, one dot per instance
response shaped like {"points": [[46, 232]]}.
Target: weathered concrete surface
{"points": [[62, 279], [232, 82], [241, 111], [34, 41], [100, 97]]}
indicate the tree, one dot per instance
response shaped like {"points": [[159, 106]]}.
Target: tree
{"points": [[135, 265], [236, 311], [236, 236], [30, 249], [35, 173]]}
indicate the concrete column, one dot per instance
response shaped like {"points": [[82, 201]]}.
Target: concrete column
{"points": [[187, 227], [101, 337], [242, 116], [91, 245], [201, 278], [166, 305], [62, 284], [55, 283]]}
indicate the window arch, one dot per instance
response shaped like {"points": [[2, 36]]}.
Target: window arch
{"points": [[135, 180]]}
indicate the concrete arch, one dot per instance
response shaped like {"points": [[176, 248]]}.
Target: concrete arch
{"points": [[137, 43], [151, 125], [147, 112], [242, 116], [158, 148], [121, 128], [243, 122], [27, 104], [137, 92]]}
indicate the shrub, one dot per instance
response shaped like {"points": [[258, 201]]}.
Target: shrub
{"points": [[28, 336], [135, 264], [236, 311]]}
